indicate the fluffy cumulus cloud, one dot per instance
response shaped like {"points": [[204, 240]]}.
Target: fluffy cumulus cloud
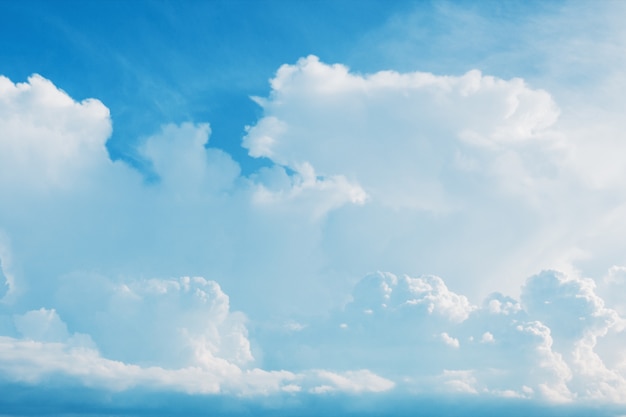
{"points": [[184, 322], [177, 335], [552, 345], [405, 138], [192, 277], [174, 334], [445, 164], [63, 318], [194, 214], [48, 139]]}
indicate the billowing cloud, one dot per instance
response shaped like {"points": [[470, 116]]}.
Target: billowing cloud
{"points": [[447, 163], [467, 177], [176, 335], [196, 214], [380, 292], [175, 323], [544, 347], [501, 349], [405, 138], [33, 362], [48, 139]]}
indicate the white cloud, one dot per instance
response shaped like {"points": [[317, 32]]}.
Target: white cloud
{"points": [[553, 346], [201, 216], [487, 337], [166, 322], [399, 135], [305, 191], [178, 156], [384, 291], [549, 370], [33, 362], [455, 158], [445, 161], [351, 381], [498, 304], [579, 319], [329, 199], [449, 340], [154, 320], [568, 305], [48, 139], [413, 172]]}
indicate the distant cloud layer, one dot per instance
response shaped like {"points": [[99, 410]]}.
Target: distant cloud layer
{"points": [[424, 335], [561, 344], [197, 279]]}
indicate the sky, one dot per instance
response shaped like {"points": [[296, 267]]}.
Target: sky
{"points": [[301, 208]]}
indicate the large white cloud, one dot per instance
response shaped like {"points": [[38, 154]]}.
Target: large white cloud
{"points": [[200, 216], [456, 169], [177, 335], [558, 344], [463, 155], [414, 331], [460, 176], [66, 318], [405, 138]]}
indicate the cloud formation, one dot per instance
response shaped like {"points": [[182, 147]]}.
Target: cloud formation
{"points": [[48, 140], [180, 335], [405, 138], [461, 168], [542, 347], [118, 279], [445, 161]]}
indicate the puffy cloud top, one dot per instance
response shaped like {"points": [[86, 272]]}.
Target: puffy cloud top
{"points": [[418, 332], [47, 137], [402, 137], [382, 291], [174, 323]]}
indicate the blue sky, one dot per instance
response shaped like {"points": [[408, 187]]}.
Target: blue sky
{"points": [[298, 208]]}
